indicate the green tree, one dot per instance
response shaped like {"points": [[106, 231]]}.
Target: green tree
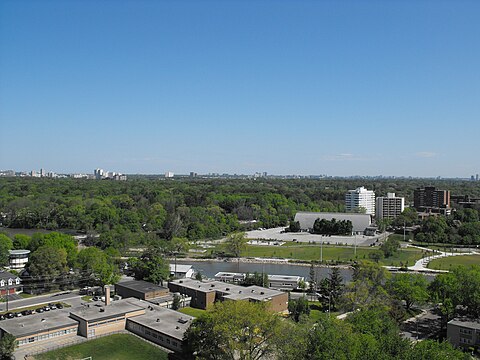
{"points": [[176, 302], [236, 243], [297, 308], [6, 245], [411, 288], [21, 242], [331, 289], [233, 330], [151, 266], [95, 263], [8, 343], [390, 247], [176, 246], [312, 284], [47, 263], [430, 349]]}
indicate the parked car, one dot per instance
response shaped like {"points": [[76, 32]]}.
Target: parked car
{"points": [[52, 306], [59, 306], [18, 314], [39, 310], [2, 317], [9, 315], [46, 308], [27, 312]]}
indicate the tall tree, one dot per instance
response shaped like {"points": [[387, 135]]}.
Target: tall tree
{"points": [[95, 263], [6, 245], [151, 266], [236, 242], [411, 288], [233, 330]]}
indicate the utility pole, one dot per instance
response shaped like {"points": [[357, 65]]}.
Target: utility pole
{"points": [[404, 224], [321, 251], [6, 296], [355, 249]]}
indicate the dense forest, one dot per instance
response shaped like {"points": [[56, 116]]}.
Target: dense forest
{"points": [[135, 211]]}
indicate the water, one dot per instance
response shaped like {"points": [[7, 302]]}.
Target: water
{"points": [[210, 268]]}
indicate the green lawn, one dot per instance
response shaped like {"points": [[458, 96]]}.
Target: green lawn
{"points": [[191, 311], [446, 263], [118, 347], [330, 253]]}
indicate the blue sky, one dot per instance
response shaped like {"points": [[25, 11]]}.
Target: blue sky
{"points": [[287, 87]]}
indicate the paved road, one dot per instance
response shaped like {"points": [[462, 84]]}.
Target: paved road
{"points": [[421, 265], [423, 326], [72, 298]]}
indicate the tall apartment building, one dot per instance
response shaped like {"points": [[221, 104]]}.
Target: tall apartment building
{"points": [[389, 207], [431, 199], [360, 198]]}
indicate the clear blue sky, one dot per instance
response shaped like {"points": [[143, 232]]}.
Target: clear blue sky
{"points": [[287, 87]]}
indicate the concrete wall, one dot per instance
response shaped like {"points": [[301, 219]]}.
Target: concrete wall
{"points": [[65, 332], [200, 299], [127, 292]]}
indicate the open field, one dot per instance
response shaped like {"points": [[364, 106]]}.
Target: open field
{"points": [[118, 347], [191, 311], [446, 263], [304, 252]]}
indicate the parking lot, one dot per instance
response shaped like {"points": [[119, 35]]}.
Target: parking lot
{"points": [[305, 237]]}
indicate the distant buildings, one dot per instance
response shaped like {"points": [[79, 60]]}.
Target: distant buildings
{"points": [[359, 199], [389, 207], [101, 174], [277, 282], [431, 200], [9, 283], [169, 175]]}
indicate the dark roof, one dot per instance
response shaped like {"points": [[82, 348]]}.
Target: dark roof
{"points": [[140, 285], [5, 275]]}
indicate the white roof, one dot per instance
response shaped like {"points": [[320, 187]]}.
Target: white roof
{"points": [[181, 268]]}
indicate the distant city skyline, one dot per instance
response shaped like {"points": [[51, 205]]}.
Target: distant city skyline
{"points": [[284, 87]]}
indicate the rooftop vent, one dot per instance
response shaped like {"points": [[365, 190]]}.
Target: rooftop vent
{"points": [[177, 327], [181, 281], [227, 289], [253, 290], [158, 320], [102, 310], [213, 285], [182, 321], [262, 293], [240, 291]]}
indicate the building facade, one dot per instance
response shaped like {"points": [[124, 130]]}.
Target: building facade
{"points": [[389, 207], [18, 259], [360, 198], [360, 222], [429, 199], [464, 332]]}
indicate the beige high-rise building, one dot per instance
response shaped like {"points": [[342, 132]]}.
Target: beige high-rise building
{"points": [[389, 207]]}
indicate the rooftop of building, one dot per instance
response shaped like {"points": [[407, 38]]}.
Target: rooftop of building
{"points": [[285, 277], [19, 252], [180, 268], [5, 275], [89, 312], [466, 322], [229, 291], [33, 324], [142, 286], [166, 321]]}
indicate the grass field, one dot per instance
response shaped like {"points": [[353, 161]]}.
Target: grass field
{"points": [[330, 253], [446, 263], [191, 311], [118, 347]]}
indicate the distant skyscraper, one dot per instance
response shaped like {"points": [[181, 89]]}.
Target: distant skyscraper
{"points": [[169, 174], [43, 173], [389, 207], [360, 198]]}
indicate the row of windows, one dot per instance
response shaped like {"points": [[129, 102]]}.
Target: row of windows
{"points": [[465, 341], [47, 336], [466, 331], [151, 333], [105, 322]]}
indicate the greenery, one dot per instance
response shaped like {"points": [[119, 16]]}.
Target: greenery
{"points": [[236, 243], [192, 311], [151, 266], [331, 289], [118, 347], [298, 308], [390, 247], [332, 227], [233, 329], [452, 261], [411, 288], [8, 344]]}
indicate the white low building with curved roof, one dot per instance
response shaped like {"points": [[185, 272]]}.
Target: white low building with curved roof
{"points": [[359, 221]]}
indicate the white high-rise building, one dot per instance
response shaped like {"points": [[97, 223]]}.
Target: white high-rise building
{"points": [[360, 198], [389, 207]]}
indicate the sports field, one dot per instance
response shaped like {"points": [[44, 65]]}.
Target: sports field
{"points": [[118, 347]]}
